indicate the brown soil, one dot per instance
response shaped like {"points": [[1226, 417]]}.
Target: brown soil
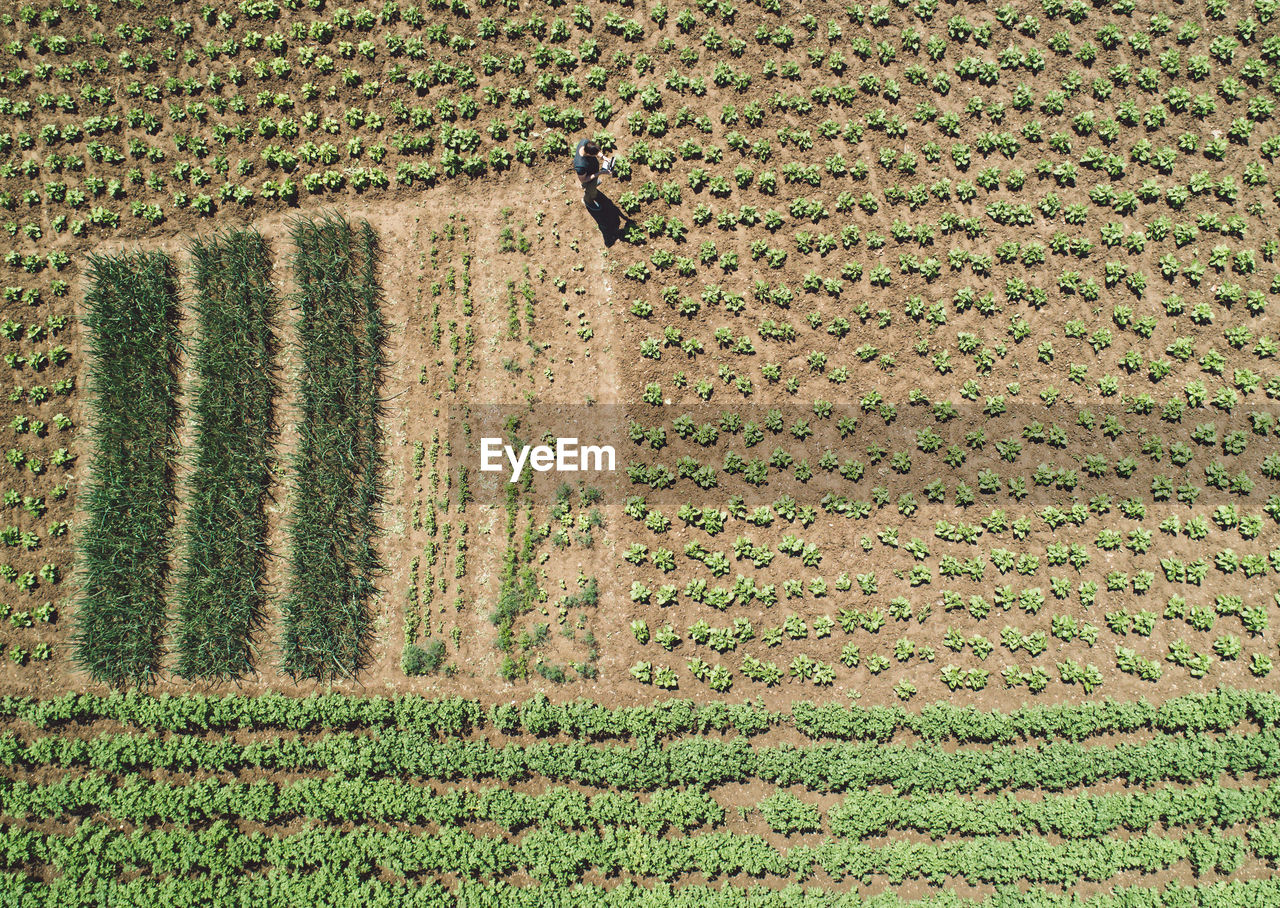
{"points": [[541, 204]]}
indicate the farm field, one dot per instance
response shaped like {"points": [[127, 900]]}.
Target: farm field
{"points": [[936, 344]]}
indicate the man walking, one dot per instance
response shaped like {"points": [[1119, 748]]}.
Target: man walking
{"points": [[588, 165]]}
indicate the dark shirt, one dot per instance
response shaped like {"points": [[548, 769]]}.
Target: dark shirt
{"points": [[584, 165]]}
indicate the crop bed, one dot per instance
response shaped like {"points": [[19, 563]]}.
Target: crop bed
{"points": [[337, 464], [126, 544], [220, 593], [562, 797]]}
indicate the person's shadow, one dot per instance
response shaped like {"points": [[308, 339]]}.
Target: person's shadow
{"points": [[609, 218]]}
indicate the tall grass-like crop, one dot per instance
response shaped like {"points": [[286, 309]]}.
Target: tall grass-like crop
{"points": [[337, 465], [221, 592], [124, 549]]}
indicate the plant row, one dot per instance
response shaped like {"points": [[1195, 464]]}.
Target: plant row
{"points": [[563, 856], [860, 815], [836, 767], [124, 548], [338, 462], [1219, 710], [221, 592], [309, 887]]}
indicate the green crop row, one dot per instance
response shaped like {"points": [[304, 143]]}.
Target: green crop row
{"points": [[1219, 710], [562, 856], [699, 761], [141, 801], [221, 592], [336, 800], [303, 889], [124, 548], [338, 463], [1069, 816]]}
